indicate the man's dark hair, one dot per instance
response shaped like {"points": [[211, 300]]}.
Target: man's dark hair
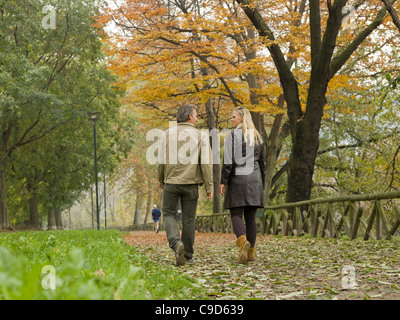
{"points": [[184, 112]]}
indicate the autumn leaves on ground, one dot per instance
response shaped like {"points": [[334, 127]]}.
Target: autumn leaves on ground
{"points": [[286, 268]]}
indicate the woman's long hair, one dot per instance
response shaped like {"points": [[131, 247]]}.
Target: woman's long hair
{"points": [[252, 136]]}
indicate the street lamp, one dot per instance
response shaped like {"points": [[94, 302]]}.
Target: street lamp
{"points": [[94, 115]]}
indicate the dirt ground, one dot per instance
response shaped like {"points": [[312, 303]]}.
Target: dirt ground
{"points": [[286, 268]]}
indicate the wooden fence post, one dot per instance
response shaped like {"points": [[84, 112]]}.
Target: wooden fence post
{"points": [[370, 222], [384, 221], [397, 221], [357, 223]]}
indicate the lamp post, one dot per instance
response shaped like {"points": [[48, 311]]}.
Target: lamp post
{"points": [[94, 115]]}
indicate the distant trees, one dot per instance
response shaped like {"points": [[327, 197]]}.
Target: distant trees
{"points": [[50, 78], [359, 144]]}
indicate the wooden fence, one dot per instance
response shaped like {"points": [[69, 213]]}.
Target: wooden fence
{"points": [[221, 222], [370, 216]]}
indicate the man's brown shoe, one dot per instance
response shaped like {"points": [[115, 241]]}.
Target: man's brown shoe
{"points": [[179, 255]]}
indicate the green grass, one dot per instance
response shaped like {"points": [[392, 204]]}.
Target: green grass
{"points": [[88, 264]]}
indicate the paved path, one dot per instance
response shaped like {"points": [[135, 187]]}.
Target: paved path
{"points": [[286, 268]]}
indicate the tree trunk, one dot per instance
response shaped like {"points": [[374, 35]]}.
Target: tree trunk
{"points": [[271, 142], [138, 210], [4, 219], [271, 155], [51, 220], [149, 206], [253, 86], [112, 207], [161, 203], [33, 204], [69, 219], [92, 201], [301, 165], [305, 137], [58, 218], [217, 181], [216, 161], [33, 212]]}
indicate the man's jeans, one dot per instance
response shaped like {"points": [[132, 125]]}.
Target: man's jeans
{"points": [[189, 194]]}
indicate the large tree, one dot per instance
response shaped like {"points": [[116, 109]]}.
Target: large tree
{"points": [[326, 58]]}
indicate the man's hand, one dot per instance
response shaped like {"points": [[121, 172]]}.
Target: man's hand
{"points": [[222, 189], [210, 195]]}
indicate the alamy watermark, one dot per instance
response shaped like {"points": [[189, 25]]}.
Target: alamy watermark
{"points": [[186, 146], [348, 21], [349, 277], [49, 280], [49, 21]]}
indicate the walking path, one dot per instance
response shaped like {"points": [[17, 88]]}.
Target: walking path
{"points": [[286, 268]]}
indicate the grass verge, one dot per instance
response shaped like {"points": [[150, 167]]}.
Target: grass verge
{"points": [[84, 264]]}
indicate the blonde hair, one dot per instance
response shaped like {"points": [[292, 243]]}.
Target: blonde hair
{"points": [[252, 136]]}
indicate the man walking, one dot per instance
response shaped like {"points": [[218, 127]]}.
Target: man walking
{"points": [[156, 213], [188, 164]]}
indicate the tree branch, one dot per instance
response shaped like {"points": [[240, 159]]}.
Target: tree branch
{"points": [[393, 13], [222, 79], [339, 60], [358, 143], [297, 23], [315, 28], [393, 165], [287, 79]]}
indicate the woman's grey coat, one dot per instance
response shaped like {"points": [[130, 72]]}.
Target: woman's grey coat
{"points": [[243, 172]]}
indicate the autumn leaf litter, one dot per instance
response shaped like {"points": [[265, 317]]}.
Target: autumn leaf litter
{"points": [[286, 268]]}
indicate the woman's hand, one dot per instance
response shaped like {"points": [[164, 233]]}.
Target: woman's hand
{"points": [[222, 189]]}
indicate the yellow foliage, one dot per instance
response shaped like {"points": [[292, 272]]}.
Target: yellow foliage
{"points": [[169, 55]]}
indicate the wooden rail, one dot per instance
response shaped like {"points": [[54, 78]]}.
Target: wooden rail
{"points": [[369, 216]]}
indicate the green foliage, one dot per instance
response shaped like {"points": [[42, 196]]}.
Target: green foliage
{"points": [[359, 143], [49, 80], [89, 264]]}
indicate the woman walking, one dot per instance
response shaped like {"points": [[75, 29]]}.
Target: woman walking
{"points": [[242, 178]]}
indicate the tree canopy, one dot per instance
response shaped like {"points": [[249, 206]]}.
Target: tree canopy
{"points": [[319, 77], [292, 63], [50, 79]]}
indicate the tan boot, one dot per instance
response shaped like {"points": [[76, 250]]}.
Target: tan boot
{"points": [[252, 254], [244, 247]]}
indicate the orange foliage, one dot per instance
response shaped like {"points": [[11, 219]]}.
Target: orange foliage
{"points": [[167, 54]]}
